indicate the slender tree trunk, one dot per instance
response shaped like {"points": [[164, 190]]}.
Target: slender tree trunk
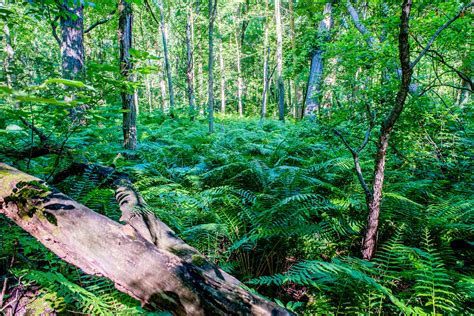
{"points": [[222, 69], [370, 238], [317, 63], [190, 59], [293, 84], [159, 4], [240, 82], [266, 55], [279, 60], [136, 99], [210, 88], [201, 90], [148, 94], [9, 62], [128, 104], [148, 80]]}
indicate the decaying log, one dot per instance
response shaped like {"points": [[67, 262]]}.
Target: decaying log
{"points": [[144, 267]]}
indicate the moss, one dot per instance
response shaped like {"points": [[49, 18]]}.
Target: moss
{"points": [[198, 260], [24, 195], [180, 251], [50, 218]]}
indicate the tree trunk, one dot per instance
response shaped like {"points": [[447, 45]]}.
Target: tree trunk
{"points": [[190, 64], [159, 4], [464, 94], [128, 103], [317, 63], [9, 62], [222, 69], [240, 82], [279, 60], [143, 258], [370, 238], [72, 43], [266, 54], [293, 84], [210, 88]]}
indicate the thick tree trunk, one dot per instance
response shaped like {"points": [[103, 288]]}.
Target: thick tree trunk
{"points": [[72, 40], [159, 4], [190, 64], [210, 88], [129, 125], [143, 257], [317, 63], [279, 61]]}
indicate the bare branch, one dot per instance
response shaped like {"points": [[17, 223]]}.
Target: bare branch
{"points": [[438, 32], [355, 156], [101, 21], [53, 29], [344, 141], [151, 12], [43, 138]]}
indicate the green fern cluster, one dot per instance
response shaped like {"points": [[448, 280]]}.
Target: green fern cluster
{"points": [[279, 206]]}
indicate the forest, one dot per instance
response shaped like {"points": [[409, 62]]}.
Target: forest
{"points": [[236, 157]]}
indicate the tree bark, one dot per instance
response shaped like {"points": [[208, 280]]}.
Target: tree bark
{"points": [[222, 70], [158, 269], [210, 88], [9, 62], [129, 124], [72, 43], [190, 64], [159, 4], [240, 82], [266, 55], [370, 238], [294, 101], [317, 63], [279, 60]]}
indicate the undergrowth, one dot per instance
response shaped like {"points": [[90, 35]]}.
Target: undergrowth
{"points": [[277, 205]]}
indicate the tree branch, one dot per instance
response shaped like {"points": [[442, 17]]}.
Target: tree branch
{"points": [[101, 21], [355, 156], [43, 138], [53, 29], [151, 12], [438, 32], [359, 26]]}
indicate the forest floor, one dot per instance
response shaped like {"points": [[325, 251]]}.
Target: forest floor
{"points": [[276, 204]]}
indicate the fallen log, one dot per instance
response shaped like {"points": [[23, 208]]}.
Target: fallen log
{"points": [[142, 266]]}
